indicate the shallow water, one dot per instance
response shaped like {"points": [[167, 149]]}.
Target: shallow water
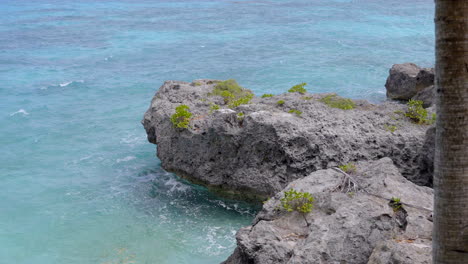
{"points": [[80, 183]]}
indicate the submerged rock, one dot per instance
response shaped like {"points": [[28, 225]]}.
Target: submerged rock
{"points": [[409, 81], [256, 149], [353, 227]]}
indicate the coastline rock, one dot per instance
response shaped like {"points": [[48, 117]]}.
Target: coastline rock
{"points": [[403, 251], [427, 95], [426, 158], [257, 154], [407, 80], [358, 227]]}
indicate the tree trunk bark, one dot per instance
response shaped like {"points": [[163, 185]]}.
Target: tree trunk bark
{"points": [[450, 236]]}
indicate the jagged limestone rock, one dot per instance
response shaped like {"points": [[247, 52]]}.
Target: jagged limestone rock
{"points": [[345, 227], [257, 153]]}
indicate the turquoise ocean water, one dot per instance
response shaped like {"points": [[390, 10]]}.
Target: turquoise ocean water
{"points": [[80, 183]]}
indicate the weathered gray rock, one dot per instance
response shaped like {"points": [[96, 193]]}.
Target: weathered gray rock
{"points": [[402, 251], [345, 227], [426, 95], [260, 153], [426, 158], [407, 80]]}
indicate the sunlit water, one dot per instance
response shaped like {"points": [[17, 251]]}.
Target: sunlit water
{"points": [[80, 183]]}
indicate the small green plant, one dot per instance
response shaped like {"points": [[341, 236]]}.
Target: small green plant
{"points": [[335, 102], [181, 118], [232, 93], [241, 100], [197, 84], [391, 128], [213, 108], [417, 113], [434, 117], [299, 88], [280, 102], [302, 202], [240, 116], [395, 203], [306, 98], [267, 95], [294, 111], [348, 168]]}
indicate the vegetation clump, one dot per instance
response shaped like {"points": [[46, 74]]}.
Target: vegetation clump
{"points": [[280, 102], [348, 168], [299, 88], [232, 93], [395, 203], [306, 98], [181, 117], [267, 95], [240, 116], [302, 202], [390, 128], [213, 108], [294, 111], [335, 102], [418, 114]]}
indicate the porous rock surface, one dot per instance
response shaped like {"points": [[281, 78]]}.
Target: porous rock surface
{"points": [[409, 81], [259, 153], [358, 227]]}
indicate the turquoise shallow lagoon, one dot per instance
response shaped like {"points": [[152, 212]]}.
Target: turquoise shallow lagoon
{"points": [[80, 183]]}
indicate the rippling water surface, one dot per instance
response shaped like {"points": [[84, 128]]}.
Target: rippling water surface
{"points": [[80, 184]]}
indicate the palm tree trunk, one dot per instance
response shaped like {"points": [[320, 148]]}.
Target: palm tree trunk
{"points": [[450, 236]]}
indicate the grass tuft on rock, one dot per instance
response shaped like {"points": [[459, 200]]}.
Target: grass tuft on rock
{"points": [[418, 114], [336, 102], [232, 93], [298, 88], [181, 117], [348, 168], [267, 95], [295, 111]]}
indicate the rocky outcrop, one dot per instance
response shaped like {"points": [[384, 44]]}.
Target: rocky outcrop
{"points": [[257, 153], [357, 227], [409, 81], [426, 157], [427, 96]]}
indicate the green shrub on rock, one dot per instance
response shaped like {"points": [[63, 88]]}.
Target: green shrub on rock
{"points": [[240, 116], [280, 102], [395, 203], [302, 202], [267, 95], [294, 111], [241, 100], [335, 102], [232, 93], [181, 117], [348, 168], [417, 113], [299, 88], [390, 128], [213, 108]]}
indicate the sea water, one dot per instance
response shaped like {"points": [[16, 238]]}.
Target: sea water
{"points": [[80, 183]]}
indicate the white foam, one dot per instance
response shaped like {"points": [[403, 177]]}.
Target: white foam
{"points": [[128, 158], [21, 111], [176, 186], [65, 84]]}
